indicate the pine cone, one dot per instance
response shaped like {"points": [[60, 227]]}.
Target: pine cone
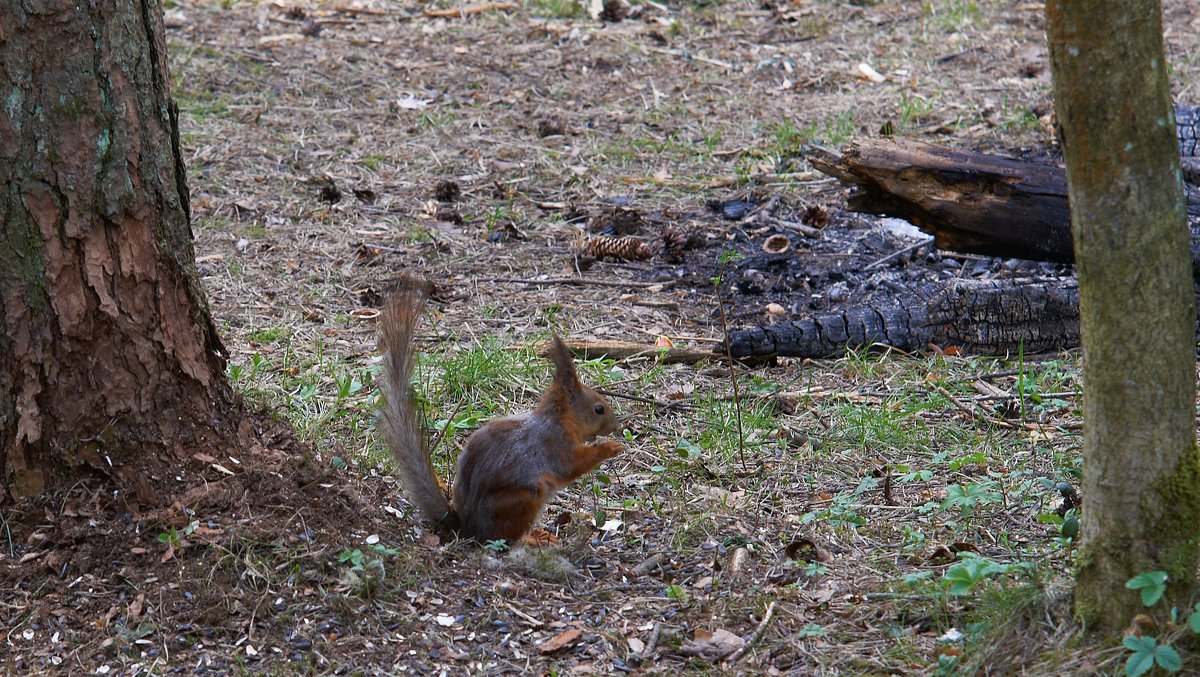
{"points": [[673, 240], [616, 221], [815, 216], [619, 248]]}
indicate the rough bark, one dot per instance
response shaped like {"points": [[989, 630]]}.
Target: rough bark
{"points": [[1141, 501], [983, 316], [110, 358]]}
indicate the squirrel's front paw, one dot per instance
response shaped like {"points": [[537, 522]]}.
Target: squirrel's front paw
{"points": [[610, 448]]}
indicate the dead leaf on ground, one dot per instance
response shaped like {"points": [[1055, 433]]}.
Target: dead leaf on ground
{"points": [[679, 391], [712, 645], [560, 641]]}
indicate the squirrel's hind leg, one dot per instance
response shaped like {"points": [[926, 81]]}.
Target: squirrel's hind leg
{"points": [[506, 513]]}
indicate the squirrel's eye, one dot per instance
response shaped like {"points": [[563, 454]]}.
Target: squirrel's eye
{"points": [[600, 409]]}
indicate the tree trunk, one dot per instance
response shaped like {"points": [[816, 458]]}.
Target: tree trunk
{"points": [[110, 358], [1141, 486]]}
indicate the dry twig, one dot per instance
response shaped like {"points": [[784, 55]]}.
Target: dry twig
{"points": [[755, 636], [457, 12]]}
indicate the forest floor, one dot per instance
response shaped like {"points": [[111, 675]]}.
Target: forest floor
{"points": [[877, 514]]}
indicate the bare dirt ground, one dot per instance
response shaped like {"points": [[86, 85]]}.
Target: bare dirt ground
{"points": [[333, 146]]}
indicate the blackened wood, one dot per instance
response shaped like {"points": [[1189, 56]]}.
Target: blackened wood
{"points": [[1187, 127], [969, 202], [992, 317]]}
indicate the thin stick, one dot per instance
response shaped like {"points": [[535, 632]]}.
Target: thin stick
{"points": [[757, 635], [1023, 425], [737, 400], [807, 231], [433, 445], [902, 252], [666, 406], [459, 12], [580, 281], [963, 406]]}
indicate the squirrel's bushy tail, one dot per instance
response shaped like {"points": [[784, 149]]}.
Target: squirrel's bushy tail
{"points": [[403, 428]]}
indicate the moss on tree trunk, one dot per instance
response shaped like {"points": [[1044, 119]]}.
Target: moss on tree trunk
{"points": [[1141, 509], [111, 360]]}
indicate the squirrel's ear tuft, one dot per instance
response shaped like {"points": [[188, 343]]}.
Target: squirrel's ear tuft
{"points": [[564, 364]]}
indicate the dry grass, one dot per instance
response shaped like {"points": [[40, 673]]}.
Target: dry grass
{"points": [[865, 475]]}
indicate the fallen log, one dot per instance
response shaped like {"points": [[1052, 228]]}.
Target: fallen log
{"points": [[969, 202], [972, 203], [990, 317]]}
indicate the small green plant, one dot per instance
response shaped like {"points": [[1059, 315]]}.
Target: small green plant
{"points": [[677, 593], [913, 109], [352, 557], [788, 138], [841, 509], [1152, 585], [836, 130], [549, 314], [347, 384], [266, 336], [435, 120], [812, 630], [1148, 651], [174, 537], [910, 476], [496, 547], [727, 257], [1068, 524], [364, 573], [966, 498], [967, 574]]}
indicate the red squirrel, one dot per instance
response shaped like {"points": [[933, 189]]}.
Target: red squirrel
{"points": [[512, 466]]}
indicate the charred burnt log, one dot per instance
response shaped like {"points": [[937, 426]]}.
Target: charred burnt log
{"points": [[969, 202], [1187, 127], [980, 204], [990, 317]]}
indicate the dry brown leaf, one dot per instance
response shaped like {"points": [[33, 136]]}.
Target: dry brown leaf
{"points": [[679, 391], [823, 594], [719, 494], [560, 641], [712, 645], [136, 606]]}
